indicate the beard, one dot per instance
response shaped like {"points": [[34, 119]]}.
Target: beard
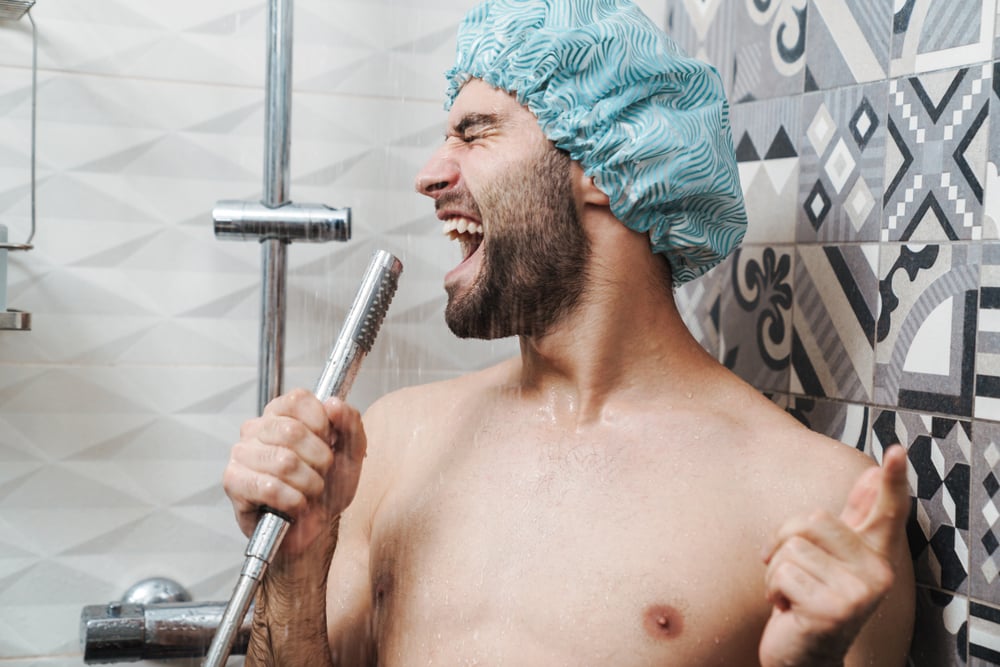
{"points": [[535, 254]]}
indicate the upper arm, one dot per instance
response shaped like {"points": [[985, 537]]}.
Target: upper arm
{"points": [[348, 592], [349, 583]]}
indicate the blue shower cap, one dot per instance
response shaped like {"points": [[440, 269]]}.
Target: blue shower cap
{"points": [[647, 123]]}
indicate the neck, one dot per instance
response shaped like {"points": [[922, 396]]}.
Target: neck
{"points": [[620, 343]]}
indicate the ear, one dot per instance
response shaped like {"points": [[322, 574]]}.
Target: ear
{"points": [[587, 191]]}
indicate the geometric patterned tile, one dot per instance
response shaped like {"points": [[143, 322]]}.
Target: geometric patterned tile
{"points": [[985, 514], [842, 164], [846, 422], [756, 317], [940, 630], [926, 330], [936, 165], [769, 49], [984, 635], [833, 345], [847, 42], [919, 44], [938, 449], [991, 201], [987, 405], [767, 157]]}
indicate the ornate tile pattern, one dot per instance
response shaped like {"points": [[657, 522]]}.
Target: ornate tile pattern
{"points": [[984, 635], [833, 336], [938, 449], [985, 513], [842, 164], [769, 49], [767, 156], [756, 320], [847, 422], [847, 42], [936, 155], [925, 335], [941, 630], [919, 44], [987, 402]]}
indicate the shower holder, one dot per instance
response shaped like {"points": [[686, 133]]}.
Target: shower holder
{"points": [[13, 10], [15, 320]]}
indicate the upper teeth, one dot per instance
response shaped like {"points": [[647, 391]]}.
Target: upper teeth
{"points": [[454, 226]]}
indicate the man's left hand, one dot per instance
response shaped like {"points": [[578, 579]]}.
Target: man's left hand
{"points": [[826, 575]]}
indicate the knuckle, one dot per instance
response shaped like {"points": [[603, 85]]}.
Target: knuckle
{"points": [[291, 430], [819, 516], [269, 493], [285, 461], [796, 545], [883, 577], [299, 395], [249, 426]]}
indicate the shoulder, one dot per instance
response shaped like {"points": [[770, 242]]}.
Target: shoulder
{"points": [[419, 411], [806, 469]]}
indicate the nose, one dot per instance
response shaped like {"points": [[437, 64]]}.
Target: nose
{"points": [[439, 175]]}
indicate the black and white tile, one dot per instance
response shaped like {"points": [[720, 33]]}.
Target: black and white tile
{"points": [[757, 317], [939, 450], [767, 156], [842, 164], [987, 401], [940, 630], [926, 330], [936, 155], [847, 41], [985, 513], [833, 338], [935, 34], [984, 635], [769, 41]]}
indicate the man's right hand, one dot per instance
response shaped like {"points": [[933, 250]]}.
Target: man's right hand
{"points": [[301, 457]]}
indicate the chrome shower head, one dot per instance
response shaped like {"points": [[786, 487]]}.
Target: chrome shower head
{"points": [[13, 10]]}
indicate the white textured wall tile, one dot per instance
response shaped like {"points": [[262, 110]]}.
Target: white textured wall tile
{"points": [[118, 409]]}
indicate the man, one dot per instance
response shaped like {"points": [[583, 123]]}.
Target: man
{"points": [[613, 496]]}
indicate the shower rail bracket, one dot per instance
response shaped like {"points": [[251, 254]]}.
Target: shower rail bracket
{"points": [[15, 320], [253, 221]]}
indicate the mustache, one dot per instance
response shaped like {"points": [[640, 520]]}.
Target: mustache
{"points": [[457, 199]]}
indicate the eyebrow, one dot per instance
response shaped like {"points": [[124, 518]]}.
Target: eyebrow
{"points": [[471, 120]]}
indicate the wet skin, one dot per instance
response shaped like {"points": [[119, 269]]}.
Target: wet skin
{"points": [[610, 497]]}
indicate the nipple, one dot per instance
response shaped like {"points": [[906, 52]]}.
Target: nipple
{"points": [[663, 622]]}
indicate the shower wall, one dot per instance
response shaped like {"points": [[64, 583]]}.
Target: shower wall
{"points": [[865, 297], [118, 409]]}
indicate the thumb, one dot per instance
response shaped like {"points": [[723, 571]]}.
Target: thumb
{"points": [[885, 521]]}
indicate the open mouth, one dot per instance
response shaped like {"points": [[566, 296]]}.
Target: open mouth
{"points": [[467, 232]]}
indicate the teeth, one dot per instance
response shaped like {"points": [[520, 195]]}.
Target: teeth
{"points": [[455, 226]]}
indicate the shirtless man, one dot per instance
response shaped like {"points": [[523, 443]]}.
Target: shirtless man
{"points": [[613, 496]]}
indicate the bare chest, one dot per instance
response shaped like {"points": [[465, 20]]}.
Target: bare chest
{"points": [[569, 553]]}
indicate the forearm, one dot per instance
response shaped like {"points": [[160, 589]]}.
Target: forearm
{"points": [[290, 624]]}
